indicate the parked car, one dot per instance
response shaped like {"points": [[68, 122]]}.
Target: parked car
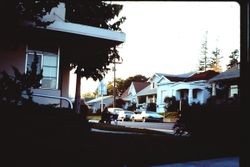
{"points": [[115, 110], [147, 116], [125, 115], [122, 114]]}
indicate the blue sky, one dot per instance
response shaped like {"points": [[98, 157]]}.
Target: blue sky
{"points": [[166, 37]]}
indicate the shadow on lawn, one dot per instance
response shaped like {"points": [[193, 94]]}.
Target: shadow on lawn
{"points": [[45, 136]]}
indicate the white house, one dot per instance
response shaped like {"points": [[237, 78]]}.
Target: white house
{"points": [[193, 88], [53, 45], [130, 95], [149, 93]]}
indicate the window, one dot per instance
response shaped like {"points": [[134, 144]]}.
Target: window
{"points": [[49, 63], [233, 90], [195, 93]]}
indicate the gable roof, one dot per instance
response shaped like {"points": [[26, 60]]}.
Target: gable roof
{"points": [[175, 77], [147, 91], [125, 94], [202, 76], [138, 87], [228, 74]]}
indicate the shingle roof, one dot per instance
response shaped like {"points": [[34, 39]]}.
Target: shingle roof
{"points": [[202, 76], [175, 78], [140, 85], [229, 74], [147, 91]]}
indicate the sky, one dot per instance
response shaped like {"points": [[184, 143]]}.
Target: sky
{"points": [[166, 37]]}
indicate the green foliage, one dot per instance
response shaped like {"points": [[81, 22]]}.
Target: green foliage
{"points": [[98, 14], [151, 107], [171, 104], [233, 59], [119, 87], [136, 78], [215, 61], [19, 11], [11, 88], [94, 13], [210, 119], [122, 85], [203, 62], [119, 103]]}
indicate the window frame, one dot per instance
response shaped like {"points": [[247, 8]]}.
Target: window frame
{"points": [[41, 53]]}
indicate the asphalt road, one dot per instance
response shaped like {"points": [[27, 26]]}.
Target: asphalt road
{"points": [[164, 127]]}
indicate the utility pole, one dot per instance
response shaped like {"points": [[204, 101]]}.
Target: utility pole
{"points": [[114, 87]]}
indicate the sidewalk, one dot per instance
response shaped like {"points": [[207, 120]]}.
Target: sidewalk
{"points": [[220, 162]]}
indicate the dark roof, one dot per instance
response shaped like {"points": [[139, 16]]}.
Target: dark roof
{"points": [[175, 78], [229, 74], [140, 85], [202, 76]]}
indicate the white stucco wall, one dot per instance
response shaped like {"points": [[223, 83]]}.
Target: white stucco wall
{"points": [[173, 89]]}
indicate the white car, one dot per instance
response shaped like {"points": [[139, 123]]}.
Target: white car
{"points": [[115, 110], [147, 116], [122, 114], [125, 115]]}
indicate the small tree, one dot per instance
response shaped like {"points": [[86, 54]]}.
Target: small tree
{"points": [[170, 103], [233, 59], [215, 61], [204, 61]]}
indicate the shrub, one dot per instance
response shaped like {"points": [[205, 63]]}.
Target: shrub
{"points": [[204, 121]]}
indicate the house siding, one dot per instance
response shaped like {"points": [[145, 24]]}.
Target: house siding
{"points": [[16, 57], [13, 58]]}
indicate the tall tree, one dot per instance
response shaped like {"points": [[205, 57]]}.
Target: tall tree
{"points": [[136, 78], [119, 87], [215, 60], [98, 14], [233, 59], [204, 61]]}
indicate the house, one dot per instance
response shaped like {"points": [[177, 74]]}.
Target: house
{"points": [[129, 96], [192, 87], [226, 84], [95, 104], [149, 93], [53, 45]]}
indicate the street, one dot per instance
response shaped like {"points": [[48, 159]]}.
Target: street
{"points": [[164, 127]]}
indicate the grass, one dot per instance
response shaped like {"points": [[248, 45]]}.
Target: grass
{"points": [[94, 117]]}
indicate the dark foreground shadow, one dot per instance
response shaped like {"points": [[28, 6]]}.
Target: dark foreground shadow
{"points": [[32, 137]]}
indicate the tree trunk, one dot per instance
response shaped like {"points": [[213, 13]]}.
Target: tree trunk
{"points": [[78, 93]]}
